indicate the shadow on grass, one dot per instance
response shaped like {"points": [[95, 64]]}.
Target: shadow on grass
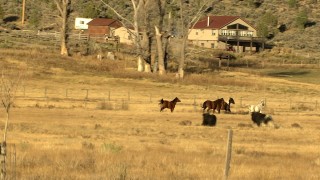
{"points": [[290, 73]]}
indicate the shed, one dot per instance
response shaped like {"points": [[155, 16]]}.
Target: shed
{"points": [[102, 27]]}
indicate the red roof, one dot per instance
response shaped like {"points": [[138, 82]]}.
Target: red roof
{"points": [[215, 22], [104, 22]]}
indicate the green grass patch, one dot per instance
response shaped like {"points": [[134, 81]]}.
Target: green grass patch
{"points": [[298, 75]]}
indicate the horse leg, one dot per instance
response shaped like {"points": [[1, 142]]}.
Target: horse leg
{"points": [[162, 108]]}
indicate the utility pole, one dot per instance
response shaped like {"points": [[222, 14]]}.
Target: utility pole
{"points": [[23, 11]]}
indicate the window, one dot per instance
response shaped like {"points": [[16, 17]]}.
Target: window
{"points": [[81, 22], [202, 44], [212, 45], [213, 33]]}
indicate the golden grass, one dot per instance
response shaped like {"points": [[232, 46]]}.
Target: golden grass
{"points": [[62, 137]]}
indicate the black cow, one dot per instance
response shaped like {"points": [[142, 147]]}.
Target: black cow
{"points": [[259, 118], [209, 119]]}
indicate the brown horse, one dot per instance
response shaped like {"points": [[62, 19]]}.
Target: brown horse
{"points": [[168, 104], [217, 104]]}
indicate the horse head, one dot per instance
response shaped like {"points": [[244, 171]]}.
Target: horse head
{"points": [[231, 101], [176, 99]]}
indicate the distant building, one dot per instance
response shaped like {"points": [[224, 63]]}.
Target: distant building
{"points": [[225, 32], [81, 23], [102, 27], [125, 35]]}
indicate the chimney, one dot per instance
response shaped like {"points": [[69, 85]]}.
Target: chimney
{"points": [[208, 21]]}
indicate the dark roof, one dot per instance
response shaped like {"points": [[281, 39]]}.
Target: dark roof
{"points": [[215, 22], [104, 22]]}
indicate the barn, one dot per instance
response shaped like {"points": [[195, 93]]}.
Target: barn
{"points": [[102, 27]]}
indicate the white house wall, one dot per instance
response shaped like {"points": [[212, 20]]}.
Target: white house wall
{"points": [[81, 23]]}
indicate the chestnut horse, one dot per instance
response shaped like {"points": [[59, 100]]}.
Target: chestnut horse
{"points": [[168, 104], [217, 104]]}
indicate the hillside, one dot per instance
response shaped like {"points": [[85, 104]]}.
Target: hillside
{"points": [[279, 20]]}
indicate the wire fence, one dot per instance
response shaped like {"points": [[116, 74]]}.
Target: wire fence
{"points": [[123, 99]]}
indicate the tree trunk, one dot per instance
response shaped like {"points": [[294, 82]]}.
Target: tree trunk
{"points": [[64, 49], [140, 64], [3, 154], [182, 58], [63, 7], [162, 69], [6, 127], [147, 67]]}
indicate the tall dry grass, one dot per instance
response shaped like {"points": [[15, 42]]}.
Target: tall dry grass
{"points": [[133, 140]]}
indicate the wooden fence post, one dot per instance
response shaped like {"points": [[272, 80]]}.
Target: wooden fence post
{"points": [[109, 96], [67, 93], [194, 104], [290, 105], [45, 92], [228, 154], [87, 95]]}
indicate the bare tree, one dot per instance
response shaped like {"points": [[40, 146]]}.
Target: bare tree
{"points": [[9, 86], [190, 12], [142, 39], [162, 44], [63, 7]]}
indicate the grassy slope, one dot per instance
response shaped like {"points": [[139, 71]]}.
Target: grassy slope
{"points": [[69, 138]]}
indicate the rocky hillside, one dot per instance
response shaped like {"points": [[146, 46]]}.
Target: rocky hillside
{"points": [[288, 24], [296, 22]]}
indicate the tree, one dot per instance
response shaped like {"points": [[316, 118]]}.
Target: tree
{"points": [[35, 17], [302, 19], [1, 13], [63, 7], [267, 25], [163, 31], [9, 86], [190, 13], [142, 39]]}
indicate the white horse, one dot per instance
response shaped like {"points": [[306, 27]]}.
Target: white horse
{"points": [[257, 108]]}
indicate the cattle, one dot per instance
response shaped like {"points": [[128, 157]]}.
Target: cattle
{"points": [[259, 118], [209, 119]]}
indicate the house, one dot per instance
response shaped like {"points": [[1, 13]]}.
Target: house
{"points": [[125, 35], [81, 23], [225, 32], [102, 27]]}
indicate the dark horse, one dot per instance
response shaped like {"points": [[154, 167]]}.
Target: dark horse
{"points": [[218, 105], [228, 105], [168, 104]]}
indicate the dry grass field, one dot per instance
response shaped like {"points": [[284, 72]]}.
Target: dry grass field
{"points": [[115, 131]]}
